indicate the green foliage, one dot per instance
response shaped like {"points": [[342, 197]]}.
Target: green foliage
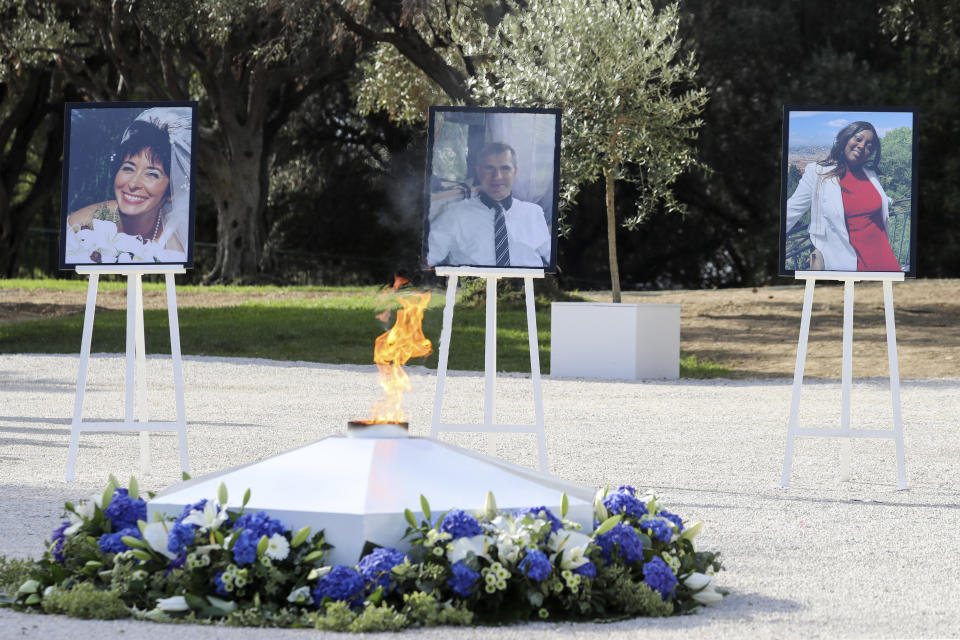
{"points": [[423, 609], [13, 573], [337, 617], [376, 618], [896, 163], [629, 595], [695, 368], [627, 92], [85, 601]]}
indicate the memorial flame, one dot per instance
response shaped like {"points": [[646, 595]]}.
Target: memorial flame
{"points": [[392, 350]]}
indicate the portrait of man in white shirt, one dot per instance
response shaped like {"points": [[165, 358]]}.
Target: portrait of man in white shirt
{"points": [[491, 227]]}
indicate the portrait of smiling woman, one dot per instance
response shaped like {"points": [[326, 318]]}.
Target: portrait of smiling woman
{"points": [[146, 215], [842, 199]]}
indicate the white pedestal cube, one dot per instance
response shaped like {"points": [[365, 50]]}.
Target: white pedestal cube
{"points": [[615, 341]]}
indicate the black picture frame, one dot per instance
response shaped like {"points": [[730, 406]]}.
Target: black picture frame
{"points": [[807, 149], [97, 184], [452, 186]]}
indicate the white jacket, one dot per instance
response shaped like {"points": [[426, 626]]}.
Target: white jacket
{"points": [[828, 226]]}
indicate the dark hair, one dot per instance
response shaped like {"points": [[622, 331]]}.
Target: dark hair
{"points": [[836, 156], [494, 148], [140, 136]]}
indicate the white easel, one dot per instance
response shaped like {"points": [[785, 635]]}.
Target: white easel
{"points": [[136, 368], [490, 356], [845, 432]]}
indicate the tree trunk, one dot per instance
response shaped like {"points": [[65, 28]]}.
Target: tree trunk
{"points": [[612, 236]]}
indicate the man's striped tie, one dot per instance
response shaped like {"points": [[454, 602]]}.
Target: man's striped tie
{"points": [[500, 247]]}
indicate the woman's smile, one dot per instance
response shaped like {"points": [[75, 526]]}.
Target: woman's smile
{"points": [[141, 185], [859, 147]]}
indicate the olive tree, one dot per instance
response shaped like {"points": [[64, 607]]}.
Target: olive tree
{"points": [[630, 107]]}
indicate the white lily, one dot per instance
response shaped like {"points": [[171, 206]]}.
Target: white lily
{"points": [[211, 517], [571, 546], [278, 548], [300, 594], [173, 603], [707, 593], [155, 535], [461, 547]]}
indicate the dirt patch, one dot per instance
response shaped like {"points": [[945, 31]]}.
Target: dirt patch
{"points": [[753, 332]]}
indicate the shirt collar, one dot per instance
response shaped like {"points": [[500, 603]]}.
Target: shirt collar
{"points": [[492, 204]]}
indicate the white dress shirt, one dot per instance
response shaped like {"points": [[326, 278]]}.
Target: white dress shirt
{"points": [[462, 235]]}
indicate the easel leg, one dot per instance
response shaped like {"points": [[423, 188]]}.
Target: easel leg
{"points": [[140, 377], [177, 371], [445, 332], [846, 376], [894, 384], [793, 420], [490, 363], [535, 375], [82, 375]]}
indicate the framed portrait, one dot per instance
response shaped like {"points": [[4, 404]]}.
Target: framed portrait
{"points": [[848, 189], [129, 171], [492, 188]]}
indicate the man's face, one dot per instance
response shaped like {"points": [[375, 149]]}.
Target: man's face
{"points": [[496, 173]]}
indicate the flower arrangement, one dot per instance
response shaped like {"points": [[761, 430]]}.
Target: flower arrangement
{"points": [[100, 242], [212, 564]]}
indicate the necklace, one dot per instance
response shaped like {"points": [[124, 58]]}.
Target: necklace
{"points": [[156, 225]]}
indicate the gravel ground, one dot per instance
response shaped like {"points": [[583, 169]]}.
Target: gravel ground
{"points": [[824, 559]]}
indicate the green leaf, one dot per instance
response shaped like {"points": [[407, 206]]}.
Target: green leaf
{"points": [[300, 537], [246, 498], [134, 489], [222, 494], [262, 545], [185, 476], [107, 494], [93, 564], [32, 599], [69, 507], [142, 555], [30, 586], [134, 543], [425, 507], [313, 556], [195, 602], [564, 507], [608, 524], [410, 518], [226, 606], [691, 532]]}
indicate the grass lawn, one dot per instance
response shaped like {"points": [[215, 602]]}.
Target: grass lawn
{"points": [[337, 329]]}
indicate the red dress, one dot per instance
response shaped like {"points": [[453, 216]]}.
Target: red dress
{"points": [[863, 211]]}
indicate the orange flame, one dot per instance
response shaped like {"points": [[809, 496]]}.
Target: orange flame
{"points": [[403, 341]]}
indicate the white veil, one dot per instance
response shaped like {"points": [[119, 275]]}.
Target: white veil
{"points": [[176, 215]]}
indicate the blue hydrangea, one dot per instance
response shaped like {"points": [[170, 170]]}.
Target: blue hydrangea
{"points": [[625, 503], [375, 567], [111, 542], [463, 580], [622, 539], [180, 537], [659, 528], [460, 525], [541, 512], [535, 565], [196, 506], [587, 570], [57, 538], [625, 488], [260, 524], [123, 511], [672, 517], [218, 583], [245, 548], [341, 583], [659, 577]]}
